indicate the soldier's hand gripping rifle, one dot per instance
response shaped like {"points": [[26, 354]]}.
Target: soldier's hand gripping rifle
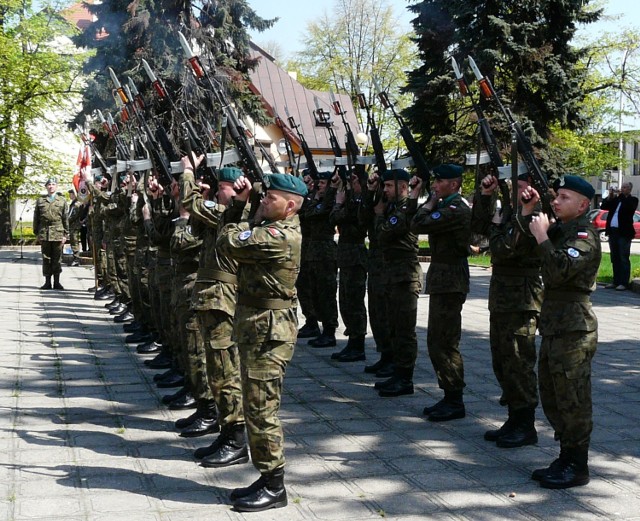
{"points": [[306, 151], [323, 119], [193, 141], [160, 162], [488, 139], [234, 126], [422, 169], [538, 177]]}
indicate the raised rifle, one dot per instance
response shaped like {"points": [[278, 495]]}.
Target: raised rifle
{"points": [[291, 158], [323, 119], [538, 177], [236, 129], [306, 151], [374, 133], [87, 141], [488, 139]]}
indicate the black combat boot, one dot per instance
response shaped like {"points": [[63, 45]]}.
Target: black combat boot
{"points": [[47, 282], [309, 330], [268, 492], [232, 448], [493, 435], [383, 368], [522, 432], [186, 401], [326, 339], [56, 282], [399, 384], [571, 471], [205, 423], [451, 408], [354, 352]]}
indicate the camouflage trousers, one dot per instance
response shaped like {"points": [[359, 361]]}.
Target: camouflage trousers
{"points": [[443, 339], [111, 274], [351, 292], [263, 367], [162, 284], [305, 294], [142, 288], [402, 312], [133, 278], [513, 355], [74, 243], [222, 365], [51, 257], [377, 303], [564, 375], [323, 282], [121, 272]]}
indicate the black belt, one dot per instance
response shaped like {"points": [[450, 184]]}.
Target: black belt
{"points": [[264, 303]]}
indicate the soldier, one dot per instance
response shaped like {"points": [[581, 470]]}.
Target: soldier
{"points": [[265, 325], [515, 296], [352, 263], [446, 217], [51, 226], [321, 252], [570, 252], [402, 273]]}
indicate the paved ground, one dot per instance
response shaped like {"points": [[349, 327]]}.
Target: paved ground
{"points": [[83, 435]]}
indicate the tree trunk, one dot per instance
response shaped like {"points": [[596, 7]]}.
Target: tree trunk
{"points": [[5, 219]]}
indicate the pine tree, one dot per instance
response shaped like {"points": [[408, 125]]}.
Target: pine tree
{"points": [[523, 46]]}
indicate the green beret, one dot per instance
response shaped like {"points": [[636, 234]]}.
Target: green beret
{"points": [[325, 175], [285, 183], [229, 174], [576, 184], [98, 177], [448, 171], [396, 174], [51, 181]]}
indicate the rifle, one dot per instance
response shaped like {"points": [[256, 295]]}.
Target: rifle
{"points": [[374, 133], [538, 177], [488, 138], [94, 150], [353, 151], [291, 159], [231, 121], [160, 162], [323, 119], [311, 165], [422, 169]]}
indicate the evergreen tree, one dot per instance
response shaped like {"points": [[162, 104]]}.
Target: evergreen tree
{"points": [[524, 48]]}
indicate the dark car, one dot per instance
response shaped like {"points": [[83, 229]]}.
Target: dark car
{"points": [[599, 220]]}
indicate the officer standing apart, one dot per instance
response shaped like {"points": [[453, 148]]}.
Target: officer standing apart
{"points": [[51, 226], [515, 297], [622, 207], [446, 217], [570, 252], [265, 325]]}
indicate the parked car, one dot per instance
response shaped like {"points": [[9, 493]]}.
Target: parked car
{"points": [[599, 220]]}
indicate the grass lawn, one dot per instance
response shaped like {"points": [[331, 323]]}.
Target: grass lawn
{"points": [[605, 273]]}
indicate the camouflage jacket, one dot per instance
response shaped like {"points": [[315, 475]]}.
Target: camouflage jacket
{"points": [[269, 263], [75, 210], [398, 244], [351, 248], [209, 291], [159, 227], [449, 229], [515, 279], [320, 245], [570, 261], [185, 248], [50, 219]]}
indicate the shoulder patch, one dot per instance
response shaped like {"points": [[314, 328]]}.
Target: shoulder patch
{"points": [[435, 215], [274, 232], [244, 235], [572, 252], [393, 220], [583, 235], [209, 204]]}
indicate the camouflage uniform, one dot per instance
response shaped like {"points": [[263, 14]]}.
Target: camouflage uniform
{"points": [[515, 297], [265, 325], [570, 261], [303, 284], [403, 281], [448, 226], [213, 300], [51, 226], [76, 211], [321, 258], [352, 263]]}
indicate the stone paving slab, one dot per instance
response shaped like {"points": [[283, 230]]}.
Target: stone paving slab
{"points": [[84, 436]]}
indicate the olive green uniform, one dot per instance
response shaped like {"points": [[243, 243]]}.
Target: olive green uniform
{"points": [[51, 226], [448, 226], [265, 325]]}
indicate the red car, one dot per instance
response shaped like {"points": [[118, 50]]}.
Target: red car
{"points": [[599, 220]]}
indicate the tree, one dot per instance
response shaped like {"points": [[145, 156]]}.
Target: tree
{"points": [[38, 71], [354, 47], [523, 46]]}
